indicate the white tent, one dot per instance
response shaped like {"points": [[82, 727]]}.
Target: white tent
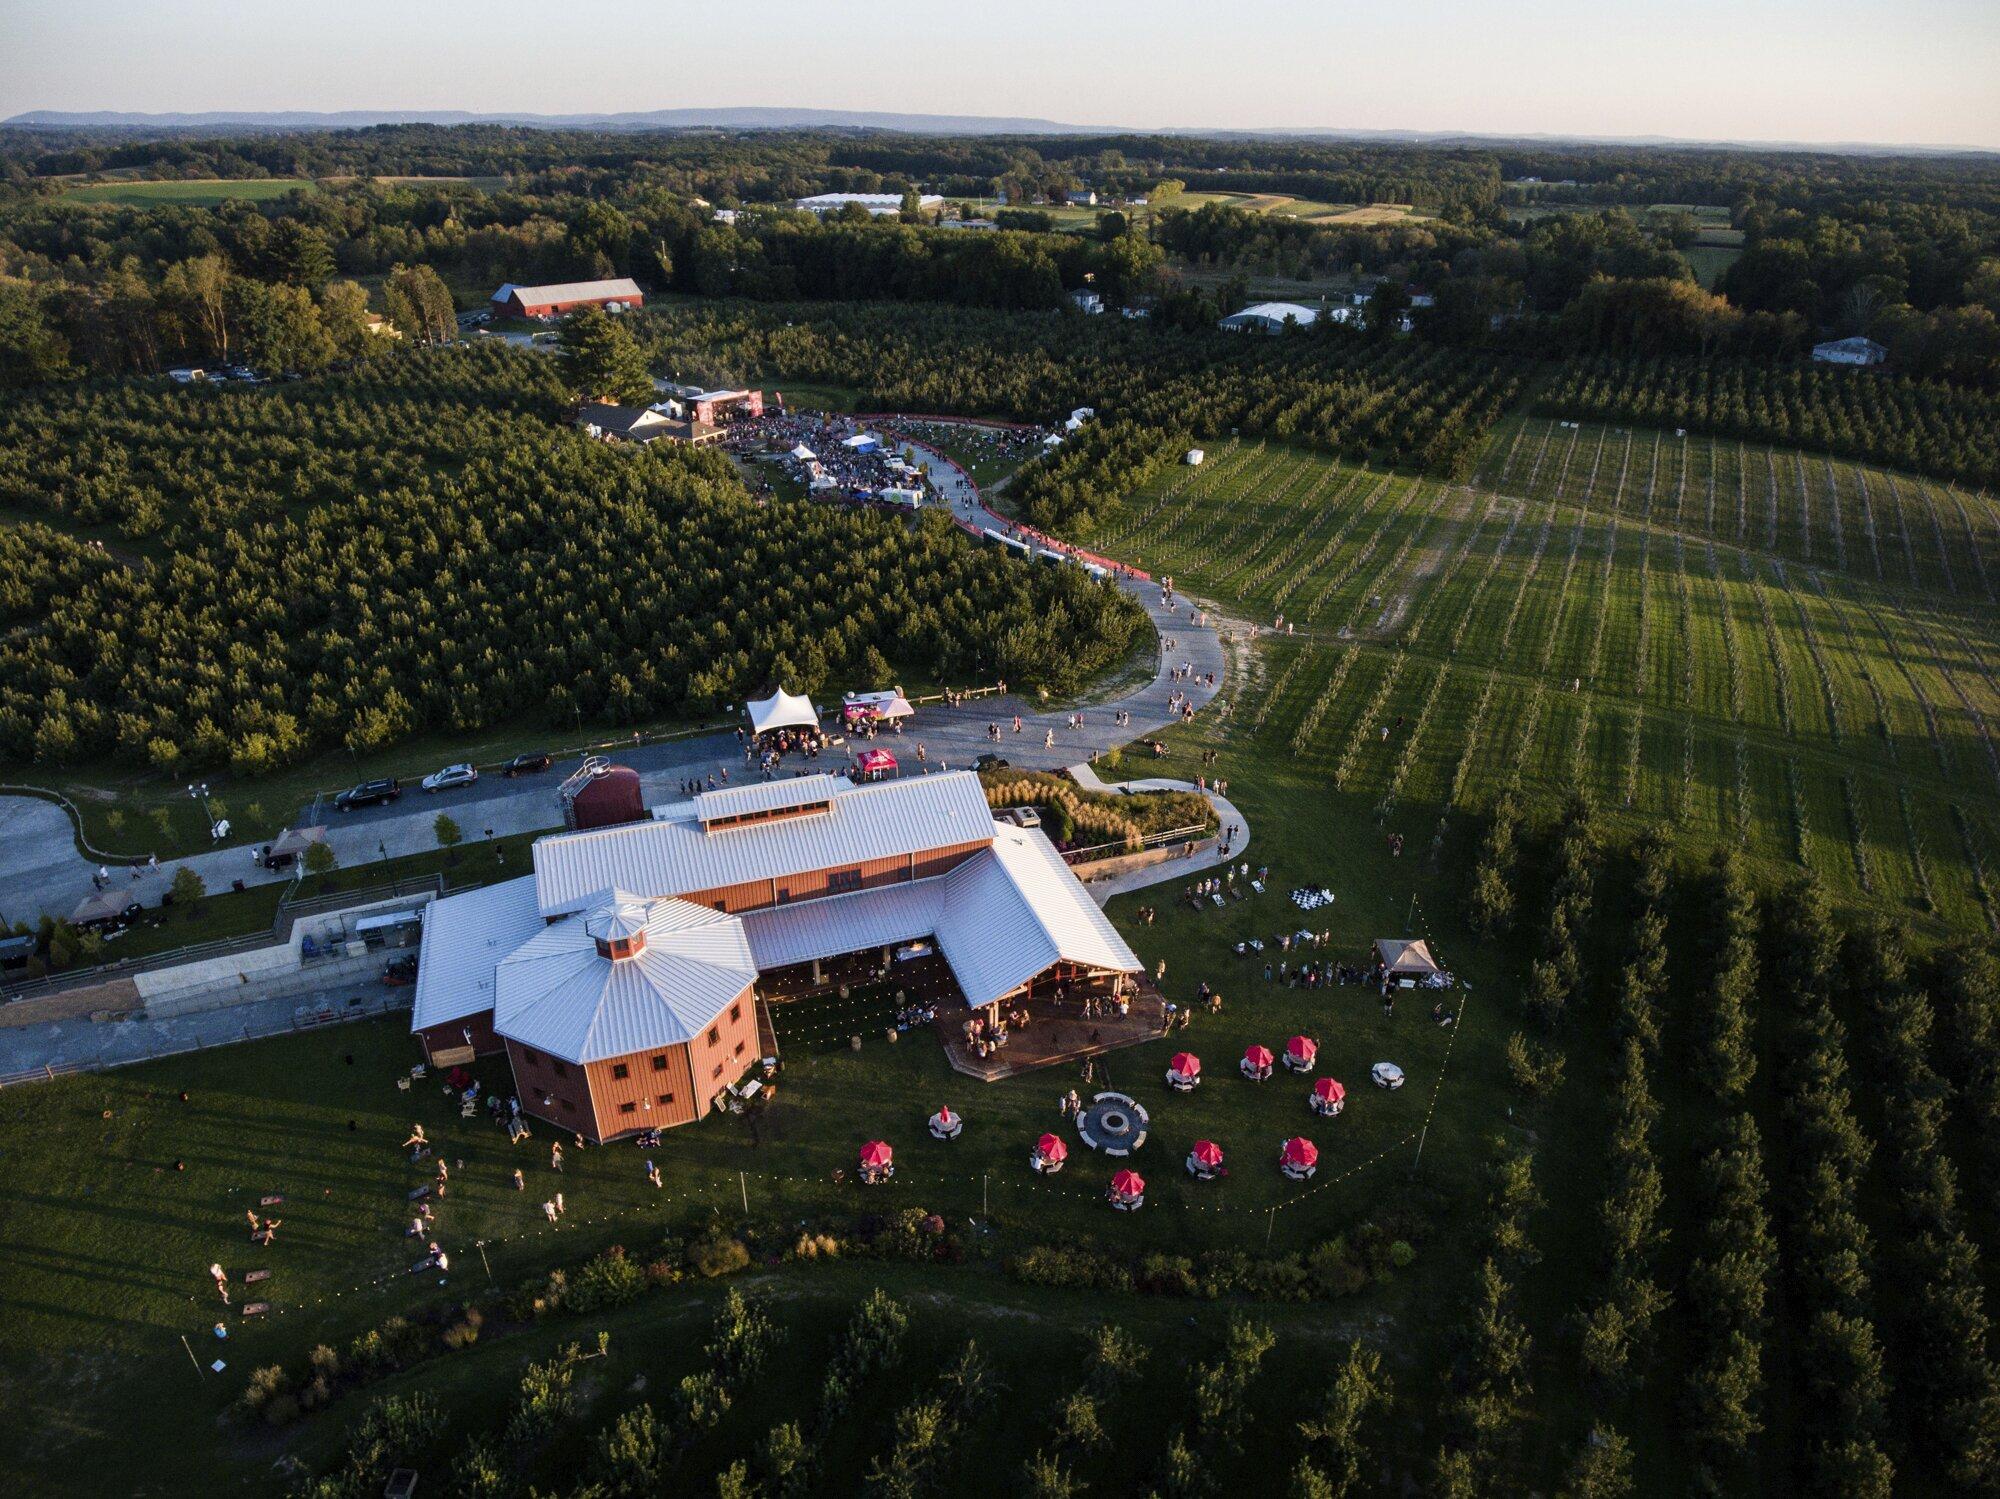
{"points": [[860, 440], [781, 710], [803, 453], [887, 704], [1054, 439]]}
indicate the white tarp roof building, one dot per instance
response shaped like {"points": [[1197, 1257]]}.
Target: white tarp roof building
{"points": [[1270, 317], [1406, 955], [568, 992], [781, 710]]}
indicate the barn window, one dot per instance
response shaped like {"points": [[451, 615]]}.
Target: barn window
{"points": [[568, 1107], [718, 1070], [735, 1013], [620, 1071], [663, 1098], [660, 1062], [530, 1055], [714, 1036], [844, 881], [561, 1071], [628, 1108], [739, 1048]]}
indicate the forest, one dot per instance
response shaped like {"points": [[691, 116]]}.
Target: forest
{"points": [[421, 545], [1905, 250]]}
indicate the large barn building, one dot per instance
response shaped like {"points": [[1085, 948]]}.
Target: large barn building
{"points": [[566, 297], [622, 977]]}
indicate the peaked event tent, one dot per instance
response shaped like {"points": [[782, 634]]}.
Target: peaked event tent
{"points": [[1207, 1153], [877, 1153], [1300, 1152], [1406, 957], [803, 453], [875, 761], [1186, 1063], [781, 710]]}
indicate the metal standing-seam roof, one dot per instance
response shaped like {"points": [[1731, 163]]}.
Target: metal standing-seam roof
{"points": [[1016, 909], [783, 935], [675, 855], [571, 291], [558, 993], [769, 796], [465, 936], [999, 918]]}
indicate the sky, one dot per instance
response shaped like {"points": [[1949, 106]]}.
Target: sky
{"points": [[1923, 72]]}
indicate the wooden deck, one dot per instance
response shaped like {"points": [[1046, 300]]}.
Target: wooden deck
{"points": [[1057, 1032]]}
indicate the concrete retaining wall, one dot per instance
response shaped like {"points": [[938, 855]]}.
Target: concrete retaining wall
{"points": [[1146, 858]]}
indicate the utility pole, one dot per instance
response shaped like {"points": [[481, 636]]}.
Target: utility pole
{"points": [[1270, 1227], [743, 1181]]}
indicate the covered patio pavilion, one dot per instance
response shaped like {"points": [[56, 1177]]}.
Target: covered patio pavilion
{"points": [[1004, 938]]}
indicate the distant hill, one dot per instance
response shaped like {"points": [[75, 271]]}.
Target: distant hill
{"points": [[652, 119], [250, 122]]}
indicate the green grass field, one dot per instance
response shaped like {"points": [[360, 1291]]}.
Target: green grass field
{"points": [[1782, 652], [109, 1242], [201, 193]]}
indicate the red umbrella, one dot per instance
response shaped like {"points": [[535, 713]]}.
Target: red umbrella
{"points": [[1258, 1056], [1302, 1047], [1186, 1063], [1128, 1183], [1300, 1151], [877, 1153], [1207, 1153], [1049, 1148], [1328, 1090]]}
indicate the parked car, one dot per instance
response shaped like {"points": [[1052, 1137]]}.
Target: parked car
{"points": [[989, 761], [368, 794], [527, 765], [461, 774]]}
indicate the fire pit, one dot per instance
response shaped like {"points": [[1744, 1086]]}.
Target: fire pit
{"points": [[1113, 1123]]}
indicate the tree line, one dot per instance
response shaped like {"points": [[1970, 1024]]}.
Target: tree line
{"points": [[420, 547]]}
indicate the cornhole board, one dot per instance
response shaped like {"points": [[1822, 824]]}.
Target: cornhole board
{"points": [[251, 1277], [256, 1308], [269, 1202], [418, 1194]]}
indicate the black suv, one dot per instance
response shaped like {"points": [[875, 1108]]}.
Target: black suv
{"points": [[368, 794], [526, 765]]}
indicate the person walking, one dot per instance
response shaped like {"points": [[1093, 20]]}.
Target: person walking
{"points": [[560, 1209], [520, 1181], [221, 1282], [555, 1156], [653, 1175], [549, 1210]]}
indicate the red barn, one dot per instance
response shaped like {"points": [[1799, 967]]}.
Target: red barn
{"points": [[554, 301]]}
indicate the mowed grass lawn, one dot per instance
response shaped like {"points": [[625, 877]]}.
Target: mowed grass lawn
{"points": [[198, 193], [109, 1244]]}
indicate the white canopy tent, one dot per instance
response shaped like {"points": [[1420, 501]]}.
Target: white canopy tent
{"points": [[861, 440], [803, 453], [889, 703], [781, 710]]}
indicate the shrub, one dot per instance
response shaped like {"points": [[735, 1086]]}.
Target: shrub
{"points": [[262, 1386], [608, 1280], [464, 1332], [717, 1253]]}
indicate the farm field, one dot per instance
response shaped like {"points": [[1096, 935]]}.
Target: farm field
{"points": [[201, 193], [1768, 650]]}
